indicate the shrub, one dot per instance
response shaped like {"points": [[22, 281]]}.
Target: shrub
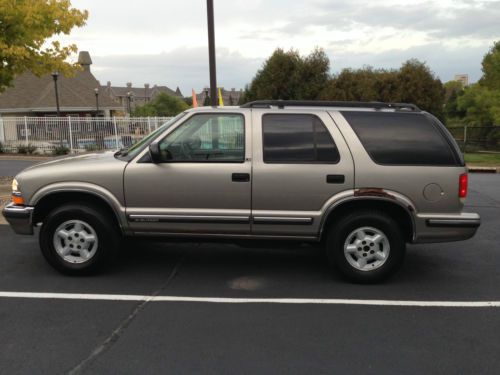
{"points": [[91, 147], [26, 149], [60, 150], [1, 148]]}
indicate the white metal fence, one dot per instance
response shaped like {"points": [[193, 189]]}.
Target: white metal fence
{"points": [[59, 135]]}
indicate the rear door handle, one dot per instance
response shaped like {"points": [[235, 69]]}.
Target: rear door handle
{"points": [[241, 177], [335, 178]]}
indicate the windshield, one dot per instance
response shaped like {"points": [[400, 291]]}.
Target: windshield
{"points": [[133, 150]]}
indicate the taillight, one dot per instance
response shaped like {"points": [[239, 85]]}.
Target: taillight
{"points": [[462, 185]]}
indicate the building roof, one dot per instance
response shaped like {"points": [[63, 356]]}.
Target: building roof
{"points": [[36, 94], [140, 92]]}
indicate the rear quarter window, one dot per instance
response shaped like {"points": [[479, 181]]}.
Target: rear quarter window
{"points": [[402, 138]]}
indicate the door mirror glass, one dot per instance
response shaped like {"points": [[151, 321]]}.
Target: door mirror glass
{"points": [[154, 152]]}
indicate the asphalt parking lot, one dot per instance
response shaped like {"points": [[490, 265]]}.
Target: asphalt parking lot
{"points": [[336, 328], [13, 167]]}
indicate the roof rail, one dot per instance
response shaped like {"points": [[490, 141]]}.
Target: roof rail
{"points": [[325, 103]]}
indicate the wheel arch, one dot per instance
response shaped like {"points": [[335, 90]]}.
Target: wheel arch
{"points": [[402, 213], [46, 200]]}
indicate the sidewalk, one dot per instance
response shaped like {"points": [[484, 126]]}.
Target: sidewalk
{"points": [[24, 157]]}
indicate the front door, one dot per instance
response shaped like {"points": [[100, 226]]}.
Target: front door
{"points": [[202, 185]]}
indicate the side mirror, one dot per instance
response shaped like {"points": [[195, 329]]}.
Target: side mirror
{"points": [[154, 152]]}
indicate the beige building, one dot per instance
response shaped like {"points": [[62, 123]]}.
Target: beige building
{"points": [[35, 96], [464, 78], [230, 97], [136, 96]]}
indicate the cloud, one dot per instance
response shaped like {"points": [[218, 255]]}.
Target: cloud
{"points": [[183, 67], [165, 42], [456, 61]]}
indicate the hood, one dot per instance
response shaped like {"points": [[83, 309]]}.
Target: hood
{"points": [[101, 169], [74, 159]]}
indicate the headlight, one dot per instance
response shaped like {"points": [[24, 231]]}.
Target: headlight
{"points": [[15, 186]]}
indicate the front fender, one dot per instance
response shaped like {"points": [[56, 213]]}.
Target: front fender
{"points": [[82, 187]]}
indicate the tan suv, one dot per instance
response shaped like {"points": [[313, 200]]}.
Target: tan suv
{"points": [[363, 179]]}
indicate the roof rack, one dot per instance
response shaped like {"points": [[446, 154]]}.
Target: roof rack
{"points": [[325, 103]]}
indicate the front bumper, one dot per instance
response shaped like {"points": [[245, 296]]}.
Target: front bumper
{"points": [[19, 218], [446, 228]]}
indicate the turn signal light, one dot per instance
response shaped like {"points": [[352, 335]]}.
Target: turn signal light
{"points": [[18, 200], [462, 185]]}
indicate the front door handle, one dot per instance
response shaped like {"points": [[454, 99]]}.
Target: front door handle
{"points": [[241, 177]]}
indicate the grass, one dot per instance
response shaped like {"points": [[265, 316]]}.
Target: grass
{"points": [[483, 159]]}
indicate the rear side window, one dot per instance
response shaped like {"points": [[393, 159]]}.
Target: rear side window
{"points": [[401, 138], [297, 138]]}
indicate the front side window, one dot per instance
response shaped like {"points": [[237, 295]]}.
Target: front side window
{"points": [[297, 138], [206, 138]]}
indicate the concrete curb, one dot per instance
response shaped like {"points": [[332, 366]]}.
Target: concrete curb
{"points": [[474, 169]]}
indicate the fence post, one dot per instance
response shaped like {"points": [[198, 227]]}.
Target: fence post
{"points": [[26, 130], [70, 135], [2, 131], [465, 137], [149, 124], [116, 132]]}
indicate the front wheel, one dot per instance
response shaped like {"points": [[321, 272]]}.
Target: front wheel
{"points": [[77, 239], [366, 247]]}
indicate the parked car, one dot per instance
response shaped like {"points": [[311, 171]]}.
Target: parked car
{"points": [[361, 179]]}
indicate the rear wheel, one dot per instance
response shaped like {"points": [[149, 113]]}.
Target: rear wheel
{"points": [[366, 246], [77, 239]]}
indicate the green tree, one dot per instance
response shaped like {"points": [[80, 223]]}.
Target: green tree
{"points": [[478, 104], [352, 85], [287, 75], [162, 105], [491, 68], [207, 102], [453, 90], [25, 27], [387, 86], [419, 85], [188, 100], [314, 74], [412, 83], [481, 105]]}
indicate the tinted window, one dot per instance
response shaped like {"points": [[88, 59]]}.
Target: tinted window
{"points": [[290, 138], [206, 137], [401, 138]]}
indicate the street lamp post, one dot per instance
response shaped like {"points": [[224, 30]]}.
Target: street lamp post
{"points": [[211, 52], [55, 75], [96, 91], [129, 99]]}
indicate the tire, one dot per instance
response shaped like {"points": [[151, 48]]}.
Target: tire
{"points": [[366, 246], [72, 251]]}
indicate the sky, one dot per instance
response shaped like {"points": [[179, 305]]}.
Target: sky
{"points": [[164, 42]]}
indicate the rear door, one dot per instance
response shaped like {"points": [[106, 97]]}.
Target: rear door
{"points": [[300, 162]]}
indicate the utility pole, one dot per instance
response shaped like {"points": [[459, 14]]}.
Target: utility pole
{"points": [[96, 91], [211, 53], [55, 75]]}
